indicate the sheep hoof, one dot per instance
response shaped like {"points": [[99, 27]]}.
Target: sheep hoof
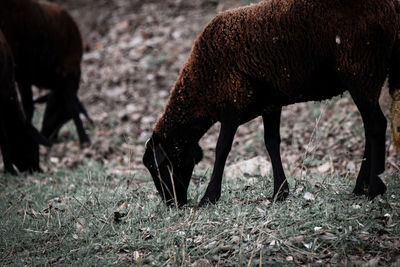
{"points": [[10, 170], [361, 189], [377, 188], [205, 201]]}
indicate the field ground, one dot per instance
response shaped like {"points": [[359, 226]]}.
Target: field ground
{"points": [[97, 205], [86, 216]]}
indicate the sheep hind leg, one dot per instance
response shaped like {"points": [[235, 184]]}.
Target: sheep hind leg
{"points": [[272, 141], [362, 182], [73, 107], [224, 145], [55, 116], [375, 134]]}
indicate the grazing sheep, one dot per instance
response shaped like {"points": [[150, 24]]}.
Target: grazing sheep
{"points": [[251, 61], [47, 47], [19, 141]]}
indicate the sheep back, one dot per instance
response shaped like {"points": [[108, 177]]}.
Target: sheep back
{"points": [[281, 52]]}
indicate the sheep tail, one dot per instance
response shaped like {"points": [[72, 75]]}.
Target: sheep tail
{"points": [[394, 89]]}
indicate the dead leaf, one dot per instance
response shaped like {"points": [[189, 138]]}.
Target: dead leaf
{"points": [[122, 206], [324, 167]]}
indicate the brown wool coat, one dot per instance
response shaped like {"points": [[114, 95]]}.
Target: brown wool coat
{"points": [[278, 52], [47, 48], [44, 51]]}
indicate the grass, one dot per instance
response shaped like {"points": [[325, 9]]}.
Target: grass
{"points": [[153, 61], [87, 217]]}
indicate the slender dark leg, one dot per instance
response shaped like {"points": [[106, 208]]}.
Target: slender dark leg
{"points": [[73, 107], [55, 116], [74, 111], [63, 105], [362, 182], [224, 145], [82, 110], [376, 186], [25, 90], [375, 135], [272, 142], [5, 151]]}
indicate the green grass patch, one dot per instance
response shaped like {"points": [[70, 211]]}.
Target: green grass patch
{"points": [[88, 217], [153, 61]]}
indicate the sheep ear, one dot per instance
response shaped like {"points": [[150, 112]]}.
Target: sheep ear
{"points": [[38, 137]]}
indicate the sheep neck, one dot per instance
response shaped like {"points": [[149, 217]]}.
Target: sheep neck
{"points": [[185, 116]]}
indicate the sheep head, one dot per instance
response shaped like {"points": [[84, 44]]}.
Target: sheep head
{"points": [[171, 164]]}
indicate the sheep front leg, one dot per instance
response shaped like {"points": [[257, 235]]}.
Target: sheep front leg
{"points": [[272, 141], [25, 90], [375, 135], [224, 145], [5, 151]]}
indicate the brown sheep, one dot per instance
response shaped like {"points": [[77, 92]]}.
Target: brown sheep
{"points": [[47, 47], [251, 61], [19, 141]]}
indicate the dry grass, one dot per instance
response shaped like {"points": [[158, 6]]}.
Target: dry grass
{"points": [[88, 217]]}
